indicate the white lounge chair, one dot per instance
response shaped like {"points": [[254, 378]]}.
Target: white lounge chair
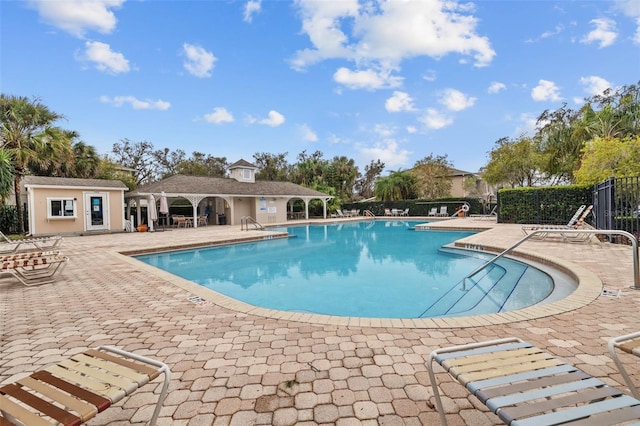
{"points": [[576, 222], [405, 212], [443, 211], [493, 214], [29, 244], [433, 211]]}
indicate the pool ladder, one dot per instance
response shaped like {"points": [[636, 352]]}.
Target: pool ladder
{"points": [[245, 221], [369, 214]]}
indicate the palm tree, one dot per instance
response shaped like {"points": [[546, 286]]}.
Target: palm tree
{"points": [[7, 174], [24, 124]]}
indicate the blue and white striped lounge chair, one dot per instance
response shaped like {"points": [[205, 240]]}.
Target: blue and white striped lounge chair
{"points": [[525, 386]]}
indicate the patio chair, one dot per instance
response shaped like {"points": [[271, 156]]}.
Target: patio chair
{"points": [[526, 386], [629, 343], [203, 220], [35, 270], [443, 211], [32, 244], [405, 212], [387, 212], [433, 211], [78, 388]]}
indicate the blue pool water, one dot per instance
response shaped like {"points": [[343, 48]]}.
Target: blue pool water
{"points": [[377, 269]]}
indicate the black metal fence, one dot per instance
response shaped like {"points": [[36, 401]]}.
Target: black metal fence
{"points": [[616, 204]]}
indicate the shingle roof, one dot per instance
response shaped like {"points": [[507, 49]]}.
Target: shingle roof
{"points": [[205, 185], [242, 163], [72, 182]]}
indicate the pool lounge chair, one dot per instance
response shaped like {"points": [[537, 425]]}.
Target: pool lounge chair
{"points": [[629, 343], [526, 386], [433, 211], [29, 244], [576, 221], [35, 270], [493, 214], [443, 211], [78, 388]]}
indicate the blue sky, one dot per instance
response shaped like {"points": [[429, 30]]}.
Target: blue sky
{"points": [[391, 80]]}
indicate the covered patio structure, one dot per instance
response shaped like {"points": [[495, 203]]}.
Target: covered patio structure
{"points": [[223, 201]]}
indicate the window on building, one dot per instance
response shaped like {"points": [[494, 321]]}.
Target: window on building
{"points": [[61, 207], [246, 173]]}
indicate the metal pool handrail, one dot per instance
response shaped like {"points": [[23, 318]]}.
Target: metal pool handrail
{"points": [[634, 245]]}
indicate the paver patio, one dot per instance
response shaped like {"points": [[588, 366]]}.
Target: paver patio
{"points": [[240, 367]]}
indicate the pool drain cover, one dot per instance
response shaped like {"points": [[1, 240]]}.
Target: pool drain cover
{"points": [[611, 292]]}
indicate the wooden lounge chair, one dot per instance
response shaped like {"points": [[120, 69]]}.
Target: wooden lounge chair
{"points": [[526, 386], [76, 389], [29, 244], [629, 343], [36, 269]]}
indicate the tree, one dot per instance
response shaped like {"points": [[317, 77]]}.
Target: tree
{"points": [[168, 161], [203, 165], [137, 157], [432, 176], [365, 183], [399, 185], [310, 169], [7, 174], [23, 123], [341, 174], [613, 157], [514, 162], [272, 166]]}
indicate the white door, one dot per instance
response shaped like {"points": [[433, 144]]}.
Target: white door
{"points": [[96, 211]]}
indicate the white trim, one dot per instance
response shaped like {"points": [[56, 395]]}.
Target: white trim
{"points": [[82, 188], [65, 202]]}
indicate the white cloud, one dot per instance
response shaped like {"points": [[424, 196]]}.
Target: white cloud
{"points": [[595, 85], [455, 100], [250, 8], [387, 151], [367, 79], [135, 103], [104, 58], [199, 62], [430, 75], [434, 119], [308, 134], [383, 130], [411, 129], [631, 9], [387, 32], [400, 101], [527, 125], [496, 87], [79, 16], [274, 119], [605, 32], [546, 91], [219, 115]]}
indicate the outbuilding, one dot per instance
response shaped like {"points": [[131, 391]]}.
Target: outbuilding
{"points": [[56, 205]]}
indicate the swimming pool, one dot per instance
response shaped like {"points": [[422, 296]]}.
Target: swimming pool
{"points": [[376, 269]]}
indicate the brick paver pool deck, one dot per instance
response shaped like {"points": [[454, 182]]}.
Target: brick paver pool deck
{"points": [[233, 364]]}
